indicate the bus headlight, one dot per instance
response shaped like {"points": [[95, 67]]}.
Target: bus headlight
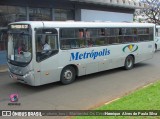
{"points": [[28, 74]]}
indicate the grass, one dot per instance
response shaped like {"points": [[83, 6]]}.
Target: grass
{"points": [[147, 98]]}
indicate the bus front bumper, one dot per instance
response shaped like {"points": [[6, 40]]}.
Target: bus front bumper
{"points": [[28, 78]]}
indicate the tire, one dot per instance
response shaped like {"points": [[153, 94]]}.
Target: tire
{"points": [[68, 75], [129, 62]]}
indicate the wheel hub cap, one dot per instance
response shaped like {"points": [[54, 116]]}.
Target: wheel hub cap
{"points": [[68, 75]]}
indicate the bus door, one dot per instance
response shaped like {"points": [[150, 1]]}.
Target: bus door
{"points": [[47, 55]]}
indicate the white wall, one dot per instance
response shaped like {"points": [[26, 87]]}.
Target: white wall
{"points": [[94, 15]]}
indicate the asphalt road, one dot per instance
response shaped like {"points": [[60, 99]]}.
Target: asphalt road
{"points": [[85, 93]]}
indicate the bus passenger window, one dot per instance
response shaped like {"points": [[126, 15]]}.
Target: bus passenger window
{"points": [[102, 32], [81, 33], [151, 34], [81, 43], [90, 42], [135, 37], [120, 31], [102, 41], [87, 34]]}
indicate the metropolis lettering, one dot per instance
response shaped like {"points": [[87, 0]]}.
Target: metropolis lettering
{"points": [[93, 54]]}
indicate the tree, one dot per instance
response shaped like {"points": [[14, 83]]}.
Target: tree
{"points": [[151, 13]]}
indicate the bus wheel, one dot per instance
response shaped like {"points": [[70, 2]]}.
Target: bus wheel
{"points": [[68, 75], [129, 62]]}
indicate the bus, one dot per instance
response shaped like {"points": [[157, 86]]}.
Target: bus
{"points": [[42, 52], [157, 38]]}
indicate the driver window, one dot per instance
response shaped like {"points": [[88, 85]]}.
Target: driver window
{"points": [[50, 42], [39, 43], [46, 43]]}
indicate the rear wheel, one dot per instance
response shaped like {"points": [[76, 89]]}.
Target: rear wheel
{"points": [[129, 62], [68, 75]]}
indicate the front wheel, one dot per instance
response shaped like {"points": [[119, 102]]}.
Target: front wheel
{"points": [[68, 75], [129, 62]]}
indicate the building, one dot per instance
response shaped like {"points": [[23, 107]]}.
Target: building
{"points": [[61, 10]]}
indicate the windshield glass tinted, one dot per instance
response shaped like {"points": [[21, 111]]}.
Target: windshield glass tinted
{"points": [[19, 47]]}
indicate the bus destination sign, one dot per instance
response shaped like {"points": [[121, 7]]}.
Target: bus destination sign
{"points": [[19, 26]]}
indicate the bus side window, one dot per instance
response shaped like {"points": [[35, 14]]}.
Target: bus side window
{"points": [[103, 32], [46, 43], [102, 41], [95, 37], [120, 31], [135, 37], [128, 35], [88, 35], [151, 34], [38, 43], [81, 33], [72, 38], [81, 38]]}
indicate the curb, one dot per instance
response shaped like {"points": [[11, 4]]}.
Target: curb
{"points": [[3, 68]]}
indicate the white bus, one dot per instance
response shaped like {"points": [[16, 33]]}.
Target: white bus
{"points": [[46, 52], [157, 38]]}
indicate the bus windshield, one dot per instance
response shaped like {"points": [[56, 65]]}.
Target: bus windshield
{"points": [[19, 48]]}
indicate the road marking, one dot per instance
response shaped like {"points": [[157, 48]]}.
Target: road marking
{"points": [[112, 101], [147, 85]]}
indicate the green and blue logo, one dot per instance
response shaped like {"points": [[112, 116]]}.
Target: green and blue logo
{"points": [[130, 48]]}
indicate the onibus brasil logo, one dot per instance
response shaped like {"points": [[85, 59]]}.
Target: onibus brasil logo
{"points": [[130, 48]]}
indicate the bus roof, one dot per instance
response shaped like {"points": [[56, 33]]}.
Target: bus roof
{"points": [[75, 24]]}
